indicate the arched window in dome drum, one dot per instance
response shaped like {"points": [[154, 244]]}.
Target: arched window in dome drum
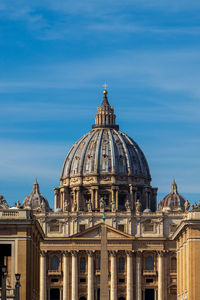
{"points": [[55, 263]]}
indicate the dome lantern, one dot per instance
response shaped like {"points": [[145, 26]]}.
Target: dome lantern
{"points": [[105, 117]]}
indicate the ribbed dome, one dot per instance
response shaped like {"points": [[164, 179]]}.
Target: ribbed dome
{"points": [[173, 200], [105, 149], [36, 199]]}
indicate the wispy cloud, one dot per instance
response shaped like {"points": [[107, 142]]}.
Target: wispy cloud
{"points": [[53, 20], [171, 71]]}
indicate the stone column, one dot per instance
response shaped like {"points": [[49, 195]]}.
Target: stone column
{"points": [[43, 276], [117, 198], [160, 275], [129, 274], [90, 275], [138, 275], [113, 200], [65, 276], [113, 281], [96, 198], [74, 276], [56, 198]]}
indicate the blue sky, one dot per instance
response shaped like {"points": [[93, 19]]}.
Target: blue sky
{"points": [[55, 57]]}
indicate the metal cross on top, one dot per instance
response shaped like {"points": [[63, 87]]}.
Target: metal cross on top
{"points": [[105, 86]]}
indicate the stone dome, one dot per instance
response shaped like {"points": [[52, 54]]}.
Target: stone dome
{"points": [[173, 200], [35, 199], [105, 149]]}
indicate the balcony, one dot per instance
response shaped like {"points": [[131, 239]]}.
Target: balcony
{"points": [[149, 273], [54, 273]]}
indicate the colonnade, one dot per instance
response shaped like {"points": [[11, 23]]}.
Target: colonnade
{"points": [[73, 295]]}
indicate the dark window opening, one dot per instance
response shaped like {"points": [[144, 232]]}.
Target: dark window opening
{"points": [[121, 298], [173, 264], [54, 280], [149, 280], [54, 294], [121, 264], [149, 294], [121, 280], [149, 263], [122, 201], [55, 263], [82, 280], [82, 265], [82, 298], [82, 227], [98, 262]]}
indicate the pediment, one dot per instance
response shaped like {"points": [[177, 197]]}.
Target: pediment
{"points": [[95, 233]]}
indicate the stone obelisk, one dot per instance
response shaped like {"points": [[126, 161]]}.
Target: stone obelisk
{"points": [[104, 292]]}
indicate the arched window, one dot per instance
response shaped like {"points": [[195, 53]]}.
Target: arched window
{"points": [[121, 264], [55, 263], [82, 265], [149, 263], [173, 264]]}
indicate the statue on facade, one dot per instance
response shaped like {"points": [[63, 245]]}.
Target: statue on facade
{"points": [[186, 205], [137, 206], [3, 203], [75, 205], [113, 206], [127, 205], [89, 205], [66, 205], [101, 203]]}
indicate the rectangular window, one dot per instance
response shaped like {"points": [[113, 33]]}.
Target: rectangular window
{"points": [[54, 228], [149, 227], [149, 280]]}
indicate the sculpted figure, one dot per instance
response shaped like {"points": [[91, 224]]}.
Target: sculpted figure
{"points": [[137, 206]]}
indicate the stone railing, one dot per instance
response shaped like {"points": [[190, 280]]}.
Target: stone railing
{"points": [[15, 214]]}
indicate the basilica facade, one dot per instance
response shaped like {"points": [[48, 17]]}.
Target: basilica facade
{"points": [[106, 239]]}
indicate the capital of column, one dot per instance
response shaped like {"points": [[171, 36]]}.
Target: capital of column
{"points": [[129, 253], [74, 253], [90, 253], [113, 253], [65, 253], [161, 253], [138, 253], [43, 253]]}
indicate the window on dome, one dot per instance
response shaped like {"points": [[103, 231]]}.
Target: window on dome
{"points": [[55, 263]]}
